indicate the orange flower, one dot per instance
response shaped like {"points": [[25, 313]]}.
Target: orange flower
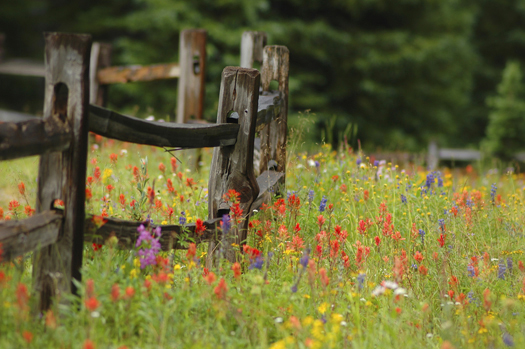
{"points": [[418, 257], [236, 267], [130, 292], [51, 320], [22, 295], [162, 167], [22, 188], [324, 277], [423, 270], [199, 226], [221, 289], [210, 278], [115, 292], [28, 336], [91, 303], [88, 344]]}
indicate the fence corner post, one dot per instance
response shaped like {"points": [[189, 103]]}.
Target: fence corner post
{"points": [[232, 166], [252, 46], [276, 66], [433, 155], [62, 175], [192, 63], [100, 58]]}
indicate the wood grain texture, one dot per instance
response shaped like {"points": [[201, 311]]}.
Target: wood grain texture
{"points": [[100, 58], [269, 183], [32, 137], [30, 234], [22, 67], [161, 134], [252, 46], [192, 61], [173, 236], [62, 175], [232, 167], [134, 73], [274, 136]]}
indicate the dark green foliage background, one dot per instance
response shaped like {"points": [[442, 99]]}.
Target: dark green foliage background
{"points": [[404, 71]]}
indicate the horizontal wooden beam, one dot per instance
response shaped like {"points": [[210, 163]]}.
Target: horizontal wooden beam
{"points": [[269, 107], [459, 154], [22, 67], [166, 134], [98, 230], [132, 73], [30, 234], [33, 137], [14, 116]]}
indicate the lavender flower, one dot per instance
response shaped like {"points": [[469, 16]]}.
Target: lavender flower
{"points": [[509, 264], [226, 224], [149, 246], [360, 281], [322, 206], [358, 161], [311, 194], [441, 225], [430, 180], [257, 263], [403, 199], [471, 271], [182, 218], [502, 267], [508, 340], [493, 192], [422, 234], [305, 258]]}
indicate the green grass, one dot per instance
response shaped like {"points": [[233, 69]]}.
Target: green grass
{"points": [[336, 301]]}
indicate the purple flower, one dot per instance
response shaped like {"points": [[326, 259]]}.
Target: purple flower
{"points": [[502, 267], [149, 246], [182, 218], [257, 263], [360, 281], [403, 199], [322, 206], [294, 288], [305, 258], [226, 224]]}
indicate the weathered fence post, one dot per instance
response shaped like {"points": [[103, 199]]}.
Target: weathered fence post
{"points": [[100, 58], [433, 155], [62, 175], [232, 166], [252, 46], [273, 137], [192, 62], [2, 41]]}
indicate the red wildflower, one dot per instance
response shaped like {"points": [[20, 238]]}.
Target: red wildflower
{"points": [[441, 239], [377, 240], [96, 247], [365, 195], [453, 281], [115, 292], [89, 195], [221, 289], [1, 213], [91, 303], [22, 296], [90, 288], [296, 244], [162, 167], [113, 158], [13, 205], [210, 278], [89, 344], [96, 173], [28, 210], [122, 200], [343, 188], [110, 188], [173, 162], [28, 336], [236, 267], [486, 302], [22, 188], [324, 277], [192, 250], [199, 226], [190, 182], [89, 180], [418, 257], [423, 270], [130, 292], [320, 221], [51, 320], [521, 266]]}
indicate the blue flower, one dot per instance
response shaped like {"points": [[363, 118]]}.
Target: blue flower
{"points": [[493, 192], [182, 218], [422, 234], [502, 267], [358, 161], [305, 258], [226, 224], [322, 206], [257, 263], [403, 199], [360, 281]]}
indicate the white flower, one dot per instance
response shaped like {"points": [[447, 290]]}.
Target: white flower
{"points": [[311, 163], [150, 118]]}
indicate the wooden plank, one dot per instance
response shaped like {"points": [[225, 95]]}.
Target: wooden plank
{"points": [[22, 67], [134, 73], [2, 43], [100, 58], [269, 182], [14, 116], [232, 167], [274, 136], [459, 154], [161, 134], [252, 46], [32, 137], [30, 234], [62, 175], [126, 232], [269, 109], [192, 59]]}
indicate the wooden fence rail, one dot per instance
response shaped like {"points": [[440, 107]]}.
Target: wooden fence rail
{"points": [[56, 236]]}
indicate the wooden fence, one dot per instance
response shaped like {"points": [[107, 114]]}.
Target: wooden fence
{"points": [[56, 236], [190, 70]]}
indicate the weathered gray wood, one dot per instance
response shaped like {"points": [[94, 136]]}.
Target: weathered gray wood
{"points": [[62, 175], [232, 167], [14, 116], [126, 232], [269, 109], [192, 61], [134, 73], [22, 67], [252, 45], [161, 134], [273, 137], [30, 234], [100, 59], [269, 182], [32, 137], [459, 154], [433, 155]]}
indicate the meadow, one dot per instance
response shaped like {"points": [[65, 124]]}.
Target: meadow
{"points": [[358, 253]]}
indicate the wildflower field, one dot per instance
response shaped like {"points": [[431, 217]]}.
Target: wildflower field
{"points": [[357, 253]]}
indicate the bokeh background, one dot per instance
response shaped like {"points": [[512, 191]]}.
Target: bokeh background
{"points": [[399, 72]]}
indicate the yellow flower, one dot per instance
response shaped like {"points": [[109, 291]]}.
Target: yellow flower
{"points": [[318, 330], [133, 273], [278, 345], [176, 267], [307, 296], [136, 262], [337, 318], [107, 173], [308, 320], [323, 307]]}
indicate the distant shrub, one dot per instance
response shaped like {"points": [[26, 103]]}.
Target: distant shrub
{"points": [[505, 133]]}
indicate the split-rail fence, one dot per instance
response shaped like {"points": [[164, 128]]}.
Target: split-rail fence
{"points": [[57, 236]]}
